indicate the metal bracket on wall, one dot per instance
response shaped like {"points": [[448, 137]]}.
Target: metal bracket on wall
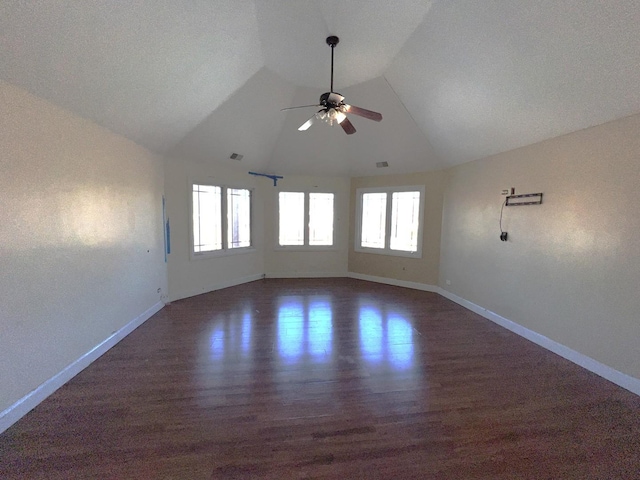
{"points": [[526, 199], [275, 178]]}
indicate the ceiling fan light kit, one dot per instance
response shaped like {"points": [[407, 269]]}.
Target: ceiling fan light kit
{"points": [[333, 109]]}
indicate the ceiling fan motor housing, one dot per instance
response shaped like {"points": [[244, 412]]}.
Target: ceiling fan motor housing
{"points": [[331, 99]]}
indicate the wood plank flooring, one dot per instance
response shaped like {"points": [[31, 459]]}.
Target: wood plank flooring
{"points": [[327, 379]]}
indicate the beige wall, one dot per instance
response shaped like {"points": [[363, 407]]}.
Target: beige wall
{"points": [[290, 262], [421, 270], [81, 245], [570, 270], [187, 276]]}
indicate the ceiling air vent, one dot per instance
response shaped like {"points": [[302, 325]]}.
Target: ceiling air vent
{"points": [[236, 156], [382, 164]]}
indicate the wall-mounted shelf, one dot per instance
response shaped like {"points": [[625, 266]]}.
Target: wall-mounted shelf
{"points": [[526, 199]]}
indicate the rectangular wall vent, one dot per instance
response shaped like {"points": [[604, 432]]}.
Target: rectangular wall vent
{"points": [[382, 164]]}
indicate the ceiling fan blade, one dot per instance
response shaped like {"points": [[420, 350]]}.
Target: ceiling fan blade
{"points": [[363, 112], [307, 124], [348, 127], [301, 106]]}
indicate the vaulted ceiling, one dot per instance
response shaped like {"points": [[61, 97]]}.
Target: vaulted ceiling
{"points": [[455, 80]]}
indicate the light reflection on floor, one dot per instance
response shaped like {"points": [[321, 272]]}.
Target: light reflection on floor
{"points": [[231, 334], [246, 332], [385, 336], [320, 327], [304, 328], [309, 350], [370, 329], [291, 328], [400, 345]]}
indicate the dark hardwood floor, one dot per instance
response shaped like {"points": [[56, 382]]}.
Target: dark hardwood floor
{"points": [[332, 379]]}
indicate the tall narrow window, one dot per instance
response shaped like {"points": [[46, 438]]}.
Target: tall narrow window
{"points": [[291, 218], [374, 218], [239, 218], [207, 218], [321, 219], [305, 219], [390, 220], [405, 210]]}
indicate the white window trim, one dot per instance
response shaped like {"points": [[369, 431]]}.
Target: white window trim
{"points": [[224, 252], [386, 250], [306, 247]]}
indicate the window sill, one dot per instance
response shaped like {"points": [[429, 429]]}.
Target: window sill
{"points": [[388, 252], [305, 248], [222, 253]]}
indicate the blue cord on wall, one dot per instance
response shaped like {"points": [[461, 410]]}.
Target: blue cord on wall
{"points": [[167, 230]]}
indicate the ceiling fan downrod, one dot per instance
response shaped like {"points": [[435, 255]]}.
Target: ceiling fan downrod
{"points": [[332, 41]]}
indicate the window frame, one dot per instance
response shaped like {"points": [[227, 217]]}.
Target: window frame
{"points": [[387, 249], [225, 250], [305, 247]]}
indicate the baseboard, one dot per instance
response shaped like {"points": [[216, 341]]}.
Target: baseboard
{"points": [[216, 286], [398, 283], [306, 275], [27, 403], [621, 379]]}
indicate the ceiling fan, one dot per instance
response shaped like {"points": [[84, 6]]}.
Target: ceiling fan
{"points": [[334, 109]]}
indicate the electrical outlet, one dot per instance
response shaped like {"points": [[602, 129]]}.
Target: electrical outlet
{"points": [[505, 192], [448, 282]]}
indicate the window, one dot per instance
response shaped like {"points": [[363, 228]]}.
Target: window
{"points": [[389, 220], [321, 219], [239, 217], [207, 218], [405, 221], [305, 219], [374, 219], [211, 231], [291, 212]]}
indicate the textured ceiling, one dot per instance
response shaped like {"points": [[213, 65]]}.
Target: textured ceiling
{"points": [[371, 34], [455, 80]]}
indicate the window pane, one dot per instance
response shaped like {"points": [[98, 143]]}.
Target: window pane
{"points": [[405, 210], [207, 214], [321, 219], [374, 217], [239, 218], [291, 218]]}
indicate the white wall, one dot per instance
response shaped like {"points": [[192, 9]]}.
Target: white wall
{"points": [[81, 245], [570, 270], [187, 276], [292, 262]]}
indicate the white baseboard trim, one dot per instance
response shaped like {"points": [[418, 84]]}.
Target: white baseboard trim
{"points": [[621, 379], [398, 283], [216, 286], [306, 275], [27, 403]]}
